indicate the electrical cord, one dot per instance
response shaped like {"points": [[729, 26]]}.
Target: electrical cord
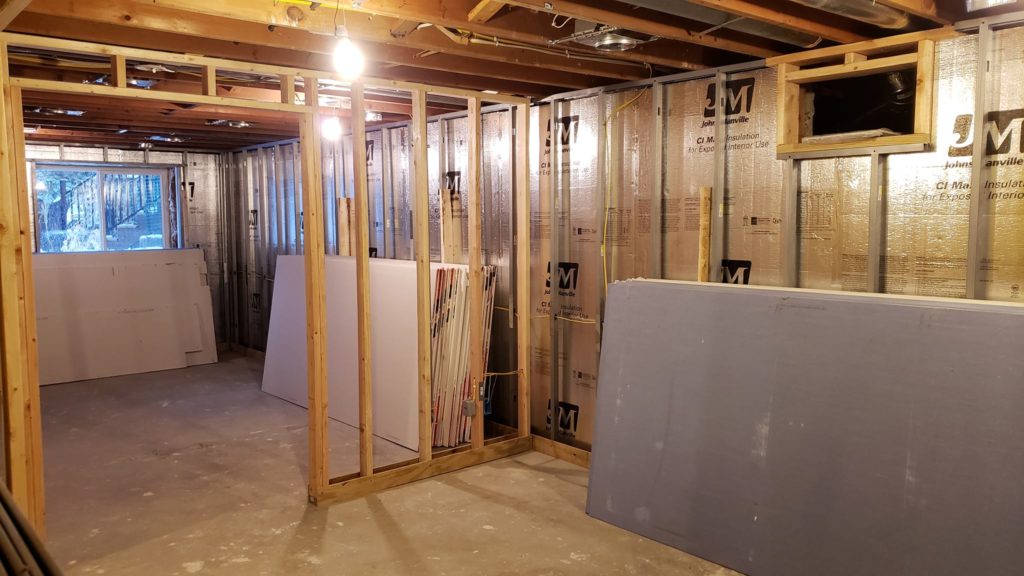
{"points": [[608, 184]]}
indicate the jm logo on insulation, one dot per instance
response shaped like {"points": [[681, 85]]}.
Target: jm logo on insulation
{"points": [[568, 275], [568, 130], [738, 99], [1002, 130]]}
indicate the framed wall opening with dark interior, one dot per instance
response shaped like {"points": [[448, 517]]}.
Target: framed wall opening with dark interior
{"points": [[878, 102]]}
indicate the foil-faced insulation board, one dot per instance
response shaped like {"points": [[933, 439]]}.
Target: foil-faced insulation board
{"points": [[1001, 224], [628, 201], [570, 144], [927, 195], [752, 206], [785, 433], [833, 200]]}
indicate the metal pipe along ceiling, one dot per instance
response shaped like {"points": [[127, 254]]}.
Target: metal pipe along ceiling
{"points": [[719, 19], [863, 10]]}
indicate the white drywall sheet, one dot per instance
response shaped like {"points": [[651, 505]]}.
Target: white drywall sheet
{"points": [[114, 313], [393, 332]]}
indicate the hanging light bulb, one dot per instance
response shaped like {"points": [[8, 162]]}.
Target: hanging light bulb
{"points": [[348, 57], [330, 128]]}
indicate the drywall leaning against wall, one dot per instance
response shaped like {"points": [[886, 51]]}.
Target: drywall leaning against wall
{"points": [[265, 207], [113, 313], [394, 352], [781, 432], [196, 215]]}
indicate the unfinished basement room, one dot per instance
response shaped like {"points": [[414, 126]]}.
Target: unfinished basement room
{"points": [[523, 287]]}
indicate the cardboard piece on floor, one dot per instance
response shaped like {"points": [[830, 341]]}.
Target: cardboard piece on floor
{"points": [[797, 433]]}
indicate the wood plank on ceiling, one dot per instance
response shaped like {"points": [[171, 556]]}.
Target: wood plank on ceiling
{"points": [[454, 14], [255, 34]]}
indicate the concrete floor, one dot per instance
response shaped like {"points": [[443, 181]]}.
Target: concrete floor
{"points": [[196, 471]]}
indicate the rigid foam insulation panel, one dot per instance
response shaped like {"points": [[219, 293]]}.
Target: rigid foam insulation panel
{"points": [[570, 144], [928, 196], [106, 314], [610, 201], [379, 247], [629, 195], [204, 226], [753, 177], [393, 321], [498, 230], [833, 227], [784, 432], [1002, 217], [398, 221]]}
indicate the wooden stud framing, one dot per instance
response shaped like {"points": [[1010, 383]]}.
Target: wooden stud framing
{"points": [[382, 479], [162, 96], [704, 238], [522, 246], [421, 251], [907, 51], [854, 69], [209, 81], [316, 297], [118, 71], [867, 48], [924, 103], [22, 434], [476, 278], [287, 89], [33, 415], [572, 454], [362, 255], [72, 46], [19, 362], [788, 94]]}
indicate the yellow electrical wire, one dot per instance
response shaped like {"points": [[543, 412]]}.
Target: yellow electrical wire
{"points": [[608, 184], [512, 373]]}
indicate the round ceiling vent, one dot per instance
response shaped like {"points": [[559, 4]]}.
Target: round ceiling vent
{"points": [[611, 42]]}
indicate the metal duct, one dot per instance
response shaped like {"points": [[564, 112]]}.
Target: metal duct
{"points": [[863, 10], [719, 19]]}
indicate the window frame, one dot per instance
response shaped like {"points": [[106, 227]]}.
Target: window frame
{"points": [[166, 174]]}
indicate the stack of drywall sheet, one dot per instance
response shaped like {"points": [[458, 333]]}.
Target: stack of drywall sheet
{"points": [[452, 385], [785, 432], [113, 313], [393, 335]]}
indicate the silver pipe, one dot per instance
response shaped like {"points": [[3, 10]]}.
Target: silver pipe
{"points": [[864, 10], [720, 19]]}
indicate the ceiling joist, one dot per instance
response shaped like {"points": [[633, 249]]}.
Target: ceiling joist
{"points": [[485, 10], [9, 10]]}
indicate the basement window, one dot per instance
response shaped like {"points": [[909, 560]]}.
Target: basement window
{"points": [[92, 210]]}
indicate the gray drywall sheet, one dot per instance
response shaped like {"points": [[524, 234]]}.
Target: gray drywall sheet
{"points": [[783, 432]]}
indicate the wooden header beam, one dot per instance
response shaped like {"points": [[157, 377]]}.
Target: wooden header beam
{"points": [[866, 48], [72, 46]]}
